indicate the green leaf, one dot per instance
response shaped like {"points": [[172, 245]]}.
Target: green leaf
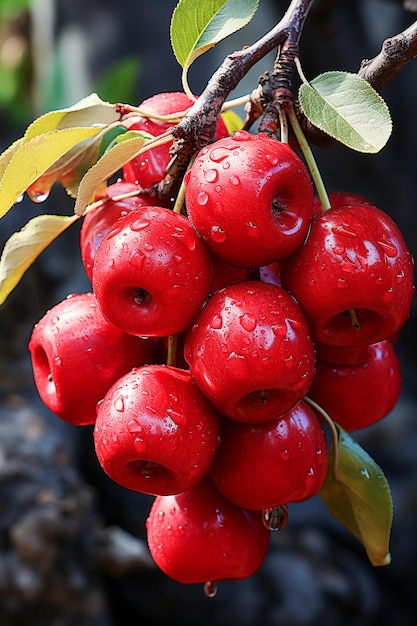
{"points": [[34, 157], [90, 111], [197, 26], [348, 109], [357, 494], [24, 246], [123, 150]]}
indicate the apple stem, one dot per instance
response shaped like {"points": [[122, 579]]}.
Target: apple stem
{"points": [[172, 350], [333, 430], [309, 157], [180, 199], [354, 319]]}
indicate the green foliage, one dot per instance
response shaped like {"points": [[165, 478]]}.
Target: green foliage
{"points": [[348, 109], [357, 494], [198, 26]]}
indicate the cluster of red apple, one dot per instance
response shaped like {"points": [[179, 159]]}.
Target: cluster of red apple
{"points": [[267, 298]]}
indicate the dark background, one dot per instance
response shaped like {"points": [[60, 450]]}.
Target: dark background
{"points": [[58, 512]]}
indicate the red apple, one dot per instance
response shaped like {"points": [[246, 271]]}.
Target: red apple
{"points": [[260, 466], [152, 273], [353, 277], [250, 197], [357, 396], [149, 167], [250, 351], [98, 221], [155, 432], [77, 355], [199, 536]]}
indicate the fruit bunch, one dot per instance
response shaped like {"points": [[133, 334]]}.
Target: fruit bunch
{"points": [[208, 331]]}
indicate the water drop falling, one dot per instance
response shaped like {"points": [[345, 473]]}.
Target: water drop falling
{"points": [[37, 196], [210, 589], [276, 517]]}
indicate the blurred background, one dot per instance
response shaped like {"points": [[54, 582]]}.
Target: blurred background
{"points": [[72, 542]]}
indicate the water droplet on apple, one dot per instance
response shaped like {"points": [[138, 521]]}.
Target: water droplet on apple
{"points": [[343, 229], [252, 230], [210, 589], [216, 322], [211, 175], [119, 404], [285, 455], [347, 266], [388, 296], [217, 234], [248, 322], [310, 478], [148, 247], [389, 248], [219, 154], [234, 180], [186, 237], [58, 360], [139, 225], [202, 198], [341, 283], [276, 517], [288, 362], [272, 159], [339, 249], [399, 277]]}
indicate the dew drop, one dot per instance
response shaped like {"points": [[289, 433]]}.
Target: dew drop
{"points": [[399, 277], [139, 224], [219, 154], [248, 322], [211, 176], [202, 198], [148, 247], [217, 234], [276, 517], [339, 249], [185, 237], [216, 322], [347, 266], [38, 196], [252, 230], [210, 589], [119, 404], [58, 360], [272, 159], [343, 229], [341, 283], [234, 180], [310, 478], [285, 455], [388, 296], [389, 248]]}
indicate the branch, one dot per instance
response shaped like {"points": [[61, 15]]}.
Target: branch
{"points": [[196, 129], [395, 53]]}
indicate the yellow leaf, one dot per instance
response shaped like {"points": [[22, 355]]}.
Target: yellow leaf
{"points": [[33, 158], [106, 166], [24, 246], [88, 112]]}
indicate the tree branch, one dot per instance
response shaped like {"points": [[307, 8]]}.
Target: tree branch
{"points": [[196, 129], [395, 53]]}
